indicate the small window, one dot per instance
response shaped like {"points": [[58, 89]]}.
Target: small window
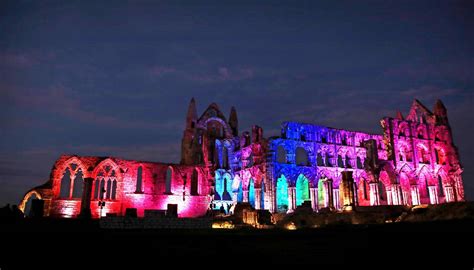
{"points": [[195, 183], [169, 177], [139, 180]]}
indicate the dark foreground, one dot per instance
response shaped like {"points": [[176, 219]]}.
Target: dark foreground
{"points": [[76, 244]]}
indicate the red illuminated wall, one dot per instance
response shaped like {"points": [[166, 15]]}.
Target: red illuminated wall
{"points": [[151, 196]]}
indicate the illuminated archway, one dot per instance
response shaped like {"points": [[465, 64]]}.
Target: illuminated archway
{"points": [[28, 195], [302, 190], [282, 194]]}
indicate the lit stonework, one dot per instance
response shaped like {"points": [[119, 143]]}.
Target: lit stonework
{"points": [[413, 162]]}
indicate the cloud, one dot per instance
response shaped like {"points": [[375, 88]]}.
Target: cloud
{"points": [[17, 60], [161, 70], [65, 102], [430, 92], [204, 74], [224, 74], [454, 69]]}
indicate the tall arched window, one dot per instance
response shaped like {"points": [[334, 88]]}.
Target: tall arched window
{"points": [[319, 160], [227, 189], [169, 177], [381, 190], [108, 193], [65, 187], [301, 157], [71, 182], [363, 185], [195, 183], [359, 163], [340, 163], [282, 194], [302, 190], [252, 193], [114, 190], [348, 162], [440, 186], [139, 180], [328, 159], [324, 139], [281, 154], [78, 184], [424, 156], [225, 157]]}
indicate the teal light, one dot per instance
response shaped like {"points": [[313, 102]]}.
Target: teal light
{"points": [[226, 195], [219, 186], [282, 194], [252, 193], [302, 190], [240, 194], [321, 194]]}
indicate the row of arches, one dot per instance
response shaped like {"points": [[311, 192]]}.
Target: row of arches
{"points": [[420, 131], [322, 159], [107, 181]]}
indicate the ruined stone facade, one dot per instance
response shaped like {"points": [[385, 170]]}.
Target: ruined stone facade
{"points": [[413, 162]]}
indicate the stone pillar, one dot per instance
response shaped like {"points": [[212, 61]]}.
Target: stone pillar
{"points": [[336, 199], [374, 193], [405, 197], [272, 200], [449, 193], [433, 195], [415, 195], [348, 193], [313, 193], [258, 197], [234, 196], [246, 195], [86, 198], [291, 199], [388, 192], [396, 195], [71, 188]]}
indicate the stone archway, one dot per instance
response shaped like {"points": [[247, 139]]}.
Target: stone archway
{"points": [[26, 198], [282, 194], [302, 190]]}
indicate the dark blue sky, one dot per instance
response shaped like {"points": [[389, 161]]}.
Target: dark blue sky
{"points": [[115, 77]]}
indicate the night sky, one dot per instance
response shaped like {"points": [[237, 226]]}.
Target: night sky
{"points": [[96, 78]]}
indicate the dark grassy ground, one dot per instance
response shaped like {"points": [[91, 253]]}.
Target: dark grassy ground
{"points": [[74, 243]]}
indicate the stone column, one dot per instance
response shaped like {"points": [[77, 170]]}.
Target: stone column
{"points": [[272, 200], [388, 193], [313, 193], [415, 195], [234, 196], [86, 198], [448, 190], [396, 195], [433, 195], [374, 193], [246, 195], [71, 188], [291, 199], [258, 197]]}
